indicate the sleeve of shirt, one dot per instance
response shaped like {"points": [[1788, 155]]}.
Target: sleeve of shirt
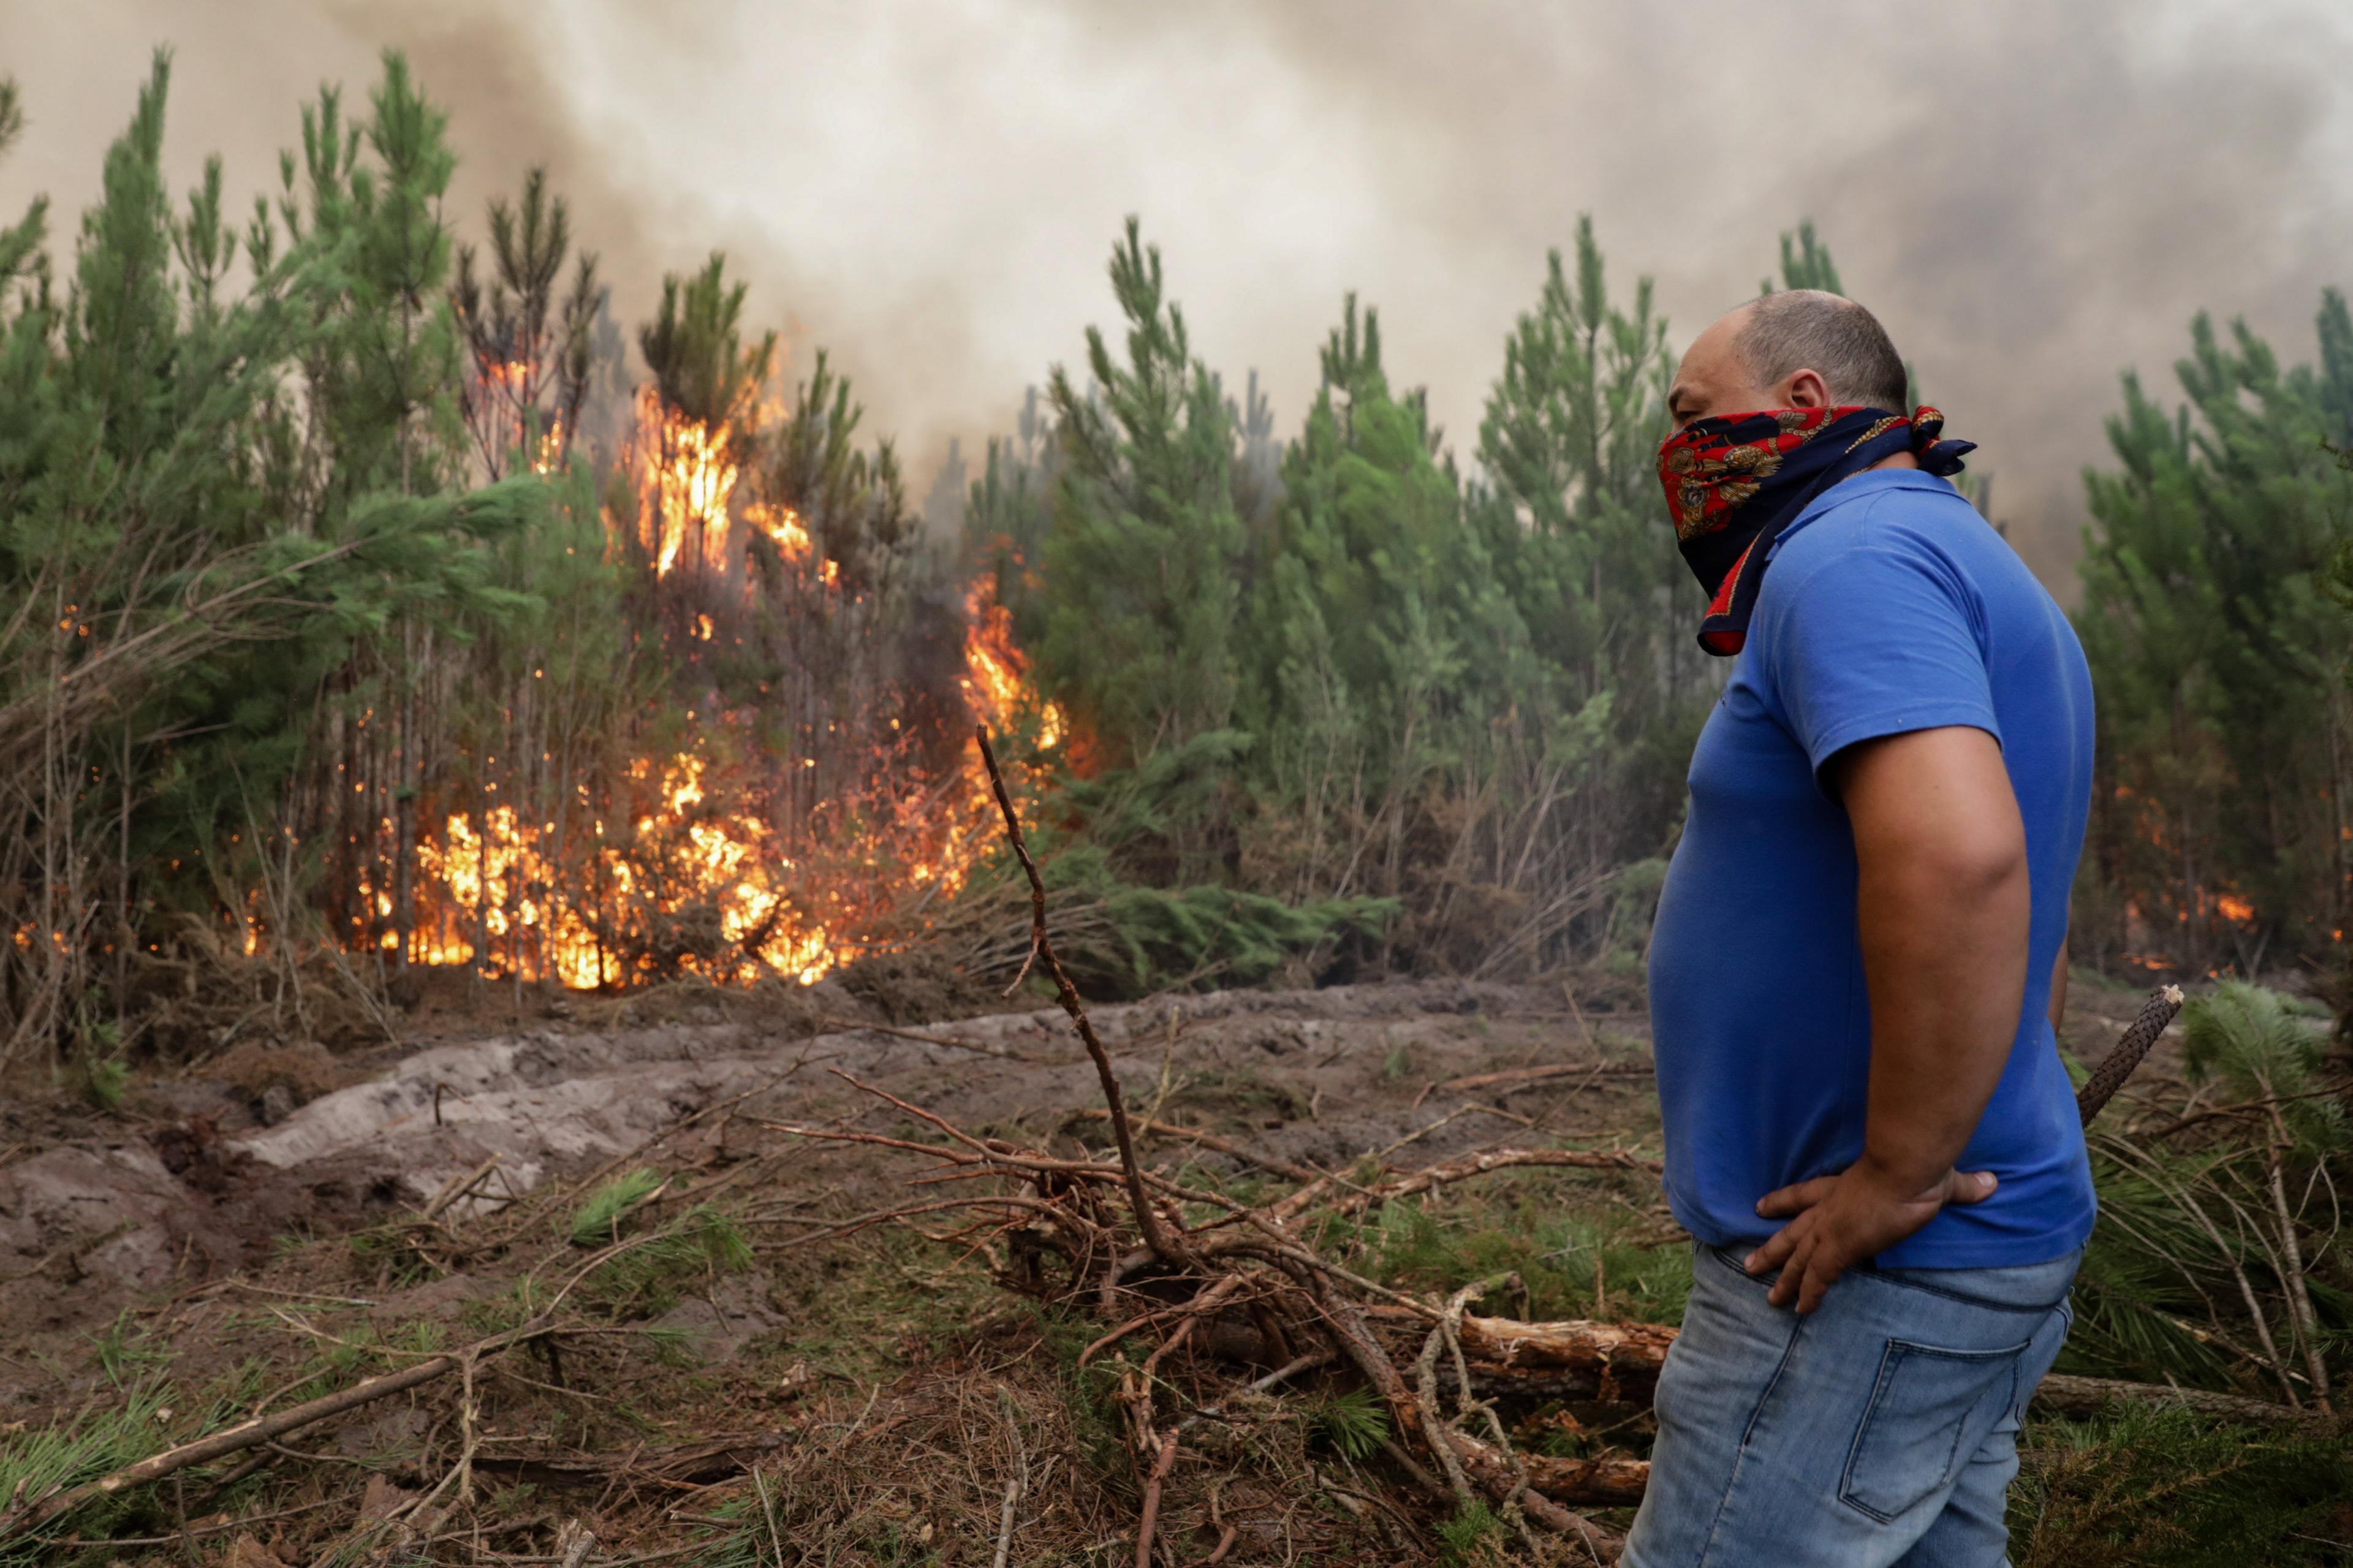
{"points": [[1872, 636]]}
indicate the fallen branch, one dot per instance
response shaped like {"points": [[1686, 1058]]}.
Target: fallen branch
{"points": [[458, 1186], [1450, 1171], [250, 1433], [1149, 1522], [2117, 1065], [2079, 1396], [1041, 947], [1199, 1139], [687, 1464], [1520, 1076]]}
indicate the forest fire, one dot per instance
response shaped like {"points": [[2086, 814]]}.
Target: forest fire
{"points": [[693, 860], [686, 478]]}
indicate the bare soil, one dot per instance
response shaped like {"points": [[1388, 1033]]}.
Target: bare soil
{"points": [[209, 1172]]}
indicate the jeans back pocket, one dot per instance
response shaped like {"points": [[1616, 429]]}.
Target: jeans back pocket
{"points": [[1908, 1445]]}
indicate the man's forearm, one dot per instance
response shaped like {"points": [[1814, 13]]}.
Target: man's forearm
{"points": [[1942, 903], [2058, 1008], [1944, 959]]}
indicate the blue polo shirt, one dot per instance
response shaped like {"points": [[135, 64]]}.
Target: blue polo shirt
{"points": [[1890, 606]]}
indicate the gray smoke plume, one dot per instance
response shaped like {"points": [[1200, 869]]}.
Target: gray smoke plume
{"points": [[2033, 194]]}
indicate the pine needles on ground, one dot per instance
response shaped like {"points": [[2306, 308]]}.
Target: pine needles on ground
{"points": [[2167, 1488], [598, 1220], [2214, 1263], [648, 1278], [68, 1453]]}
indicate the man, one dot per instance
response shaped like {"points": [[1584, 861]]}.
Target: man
{"points": [[1858, 960]]}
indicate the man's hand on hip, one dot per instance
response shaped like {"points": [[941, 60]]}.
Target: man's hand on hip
{"points": [[1847, 1219]]}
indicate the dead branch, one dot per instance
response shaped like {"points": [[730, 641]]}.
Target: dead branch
{"points": [[2078, 1396], [1149, 1522], [1147, 1218], [2117, 1065], [1449, 1171], [1199, 1139], [1522, 1076], [261, 1429], [687, 1464]]}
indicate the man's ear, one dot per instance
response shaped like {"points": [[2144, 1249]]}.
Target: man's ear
{"points": [[1806, 389]]}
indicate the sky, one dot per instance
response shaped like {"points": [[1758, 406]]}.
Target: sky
{"points": [[2034, 194]]}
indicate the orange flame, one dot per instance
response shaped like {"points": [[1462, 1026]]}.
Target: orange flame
{"points": [[686, 478], [708, 867]]}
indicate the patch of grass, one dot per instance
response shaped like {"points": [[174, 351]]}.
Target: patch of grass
{"points": [[1087, 1392], [1398, 1063], [1580, 1253], [388, 1259], [68, 1453], [138, 1419], [1240, 1098], [2164, 1489], [597, 1222], [120, 1348]]}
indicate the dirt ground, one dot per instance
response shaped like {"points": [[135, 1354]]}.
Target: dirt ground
{"points": [[209, 1172], [233, 1222]]}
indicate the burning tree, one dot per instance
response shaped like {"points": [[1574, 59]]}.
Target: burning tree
{"points": [[775, 800]]}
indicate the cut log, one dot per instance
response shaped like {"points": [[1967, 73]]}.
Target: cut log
{"points": [[1589, 1483], [1568, 1360], [2064, 1396], [1579, 1360]]}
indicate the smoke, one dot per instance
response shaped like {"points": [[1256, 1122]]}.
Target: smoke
{"points": [[2033, 196]]}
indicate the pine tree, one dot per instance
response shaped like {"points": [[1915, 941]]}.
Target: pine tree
{"points": [[531, 351], [190, 582], [2221, 827], [1374, 623], [1806, 263], [1006, 512], [1142, 560], [1570, 516]]}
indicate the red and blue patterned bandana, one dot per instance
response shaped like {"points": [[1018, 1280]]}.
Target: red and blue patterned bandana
{"points": [[1735, 480]]}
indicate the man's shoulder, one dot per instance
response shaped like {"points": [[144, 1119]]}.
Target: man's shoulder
{"points": [[1895, 509], [1900, 518]]}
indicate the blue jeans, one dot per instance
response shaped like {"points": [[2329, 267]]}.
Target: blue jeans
{"points": [[1879, 1430]]}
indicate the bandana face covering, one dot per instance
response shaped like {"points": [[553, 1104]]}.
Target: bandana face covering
{"points": [[1733, 481]]}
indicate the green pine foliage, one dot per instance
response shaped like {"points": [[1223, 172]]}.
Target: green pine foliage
{"points": [[1354, 1421], [215, 503], [2220, 830], [1375, 680], [2169, 1488], [1143, 560], [1806, 263], [597, 1222], [2214, 1262]]}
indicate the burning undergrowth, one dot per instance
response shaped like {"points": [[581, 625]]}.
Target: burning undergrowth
{"points": [[792, 792]]}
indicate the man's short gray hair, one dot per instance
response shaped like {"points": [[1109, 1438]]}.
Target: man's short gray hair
{"points": [[1808, 328]]}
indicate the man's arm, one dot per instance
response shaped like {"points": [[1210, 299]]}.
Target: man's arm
{"points": [[2059, 986], [1942, 901]]}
